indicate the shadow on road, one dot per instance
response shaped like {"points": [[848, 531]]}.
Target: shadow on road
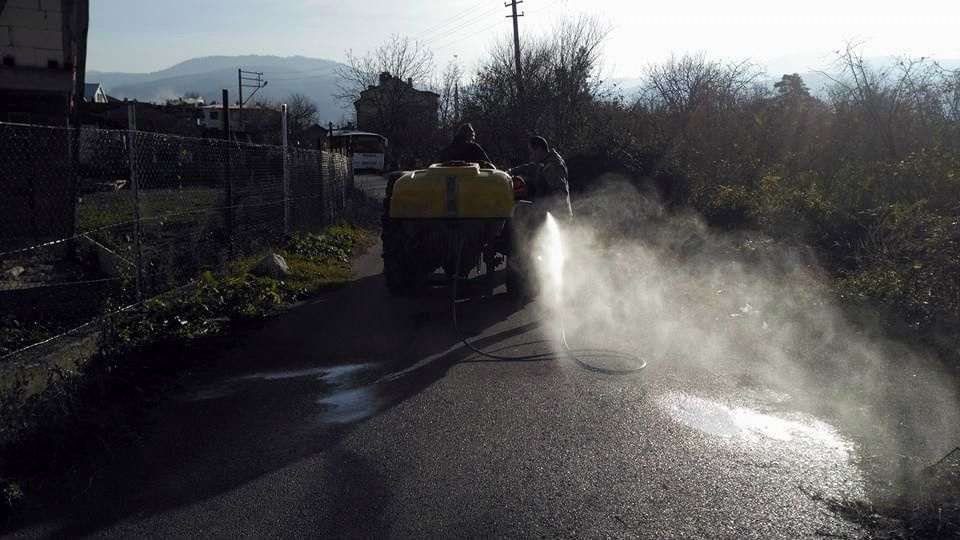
{"points": [[269, 401]]}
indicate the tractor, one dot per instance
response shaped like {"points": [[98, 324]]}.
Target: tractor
{"points": [[459, 217]]}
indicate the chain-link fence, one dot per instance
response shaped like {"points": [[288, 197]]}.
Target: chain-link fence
{"points": [[95, 220]]}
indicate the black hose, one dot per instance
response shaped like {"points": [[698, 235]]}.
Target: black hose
{"points": [[572, 354]]}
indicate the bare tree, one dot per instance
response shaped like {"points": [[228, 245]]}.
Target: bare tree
{"points": [[560, 80], [951, 93], [395, 69], [403, 58], [691, 82], [449, 90], [575, 47], [301, 111], [903, 102]]}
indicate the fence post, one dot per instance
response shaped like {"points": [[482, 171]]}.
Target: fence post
{"points": [[135, 191], [324, 181], [286, 173], [225, 123]]}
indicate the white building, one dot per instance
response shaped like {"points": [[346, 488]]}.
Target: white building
{"points": [[213, 117], [93, 93]]}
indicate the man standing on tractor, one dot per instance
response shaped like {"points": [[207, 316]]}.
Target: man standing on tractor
{"points": [[548, 185], [464, 148]]}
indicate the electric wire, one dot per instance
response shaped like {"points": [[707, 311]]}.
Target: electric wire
{"points": [[298, 71], [451, 43], [463, 25], [572, 354], [457, 18], [332, 71]]}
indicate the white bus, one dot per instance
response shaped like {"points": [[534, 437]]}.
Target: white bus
{"points": [[367, 150]]}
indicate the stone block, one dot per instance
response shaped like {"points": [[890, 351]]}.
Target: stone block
{"points": [[33, 19], [45, 55], [50, 6], [38, 39], [23, 4], [273, 266], [22, 56], [54, 21]]}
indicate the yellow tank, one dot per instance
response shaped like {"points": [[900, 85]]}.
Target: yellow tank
{"points": [[452, 192]]}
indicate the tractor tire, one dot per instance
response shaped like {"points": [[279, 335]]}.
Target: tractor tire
{"points": [[400, 269]]}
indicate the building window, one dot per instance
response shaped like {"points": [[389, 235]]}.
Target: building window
{"points": [[18, 118]]}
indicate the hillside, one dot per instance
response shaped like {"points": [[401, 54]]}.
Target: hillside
{"points": [[313, 77]]}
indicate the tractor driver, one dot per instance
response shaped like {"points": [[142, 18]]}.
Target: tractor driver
{"points": [[464, 148]]}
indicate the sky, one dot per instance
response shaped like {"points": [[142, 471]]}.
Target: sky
{"points": [[144, 36]]}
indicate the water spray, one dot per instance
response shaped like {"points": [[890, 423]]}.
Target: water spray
{"points": [[555, 254]]}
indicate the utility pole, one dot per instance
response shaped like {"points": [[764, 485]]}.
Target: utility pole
{"points": [[521, 102], [516, 47], [456, 91], [247, 79], [240, 96]]}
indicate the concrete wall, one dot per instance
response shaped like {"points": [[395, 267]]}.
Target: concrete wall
{"points": [[31, 33]]}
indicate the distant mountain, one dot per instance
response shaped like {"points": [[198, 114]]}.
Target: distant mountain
{"points": [[207, 76]]}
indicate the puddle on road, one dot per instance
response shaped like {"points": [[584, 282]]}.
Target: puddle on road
{"points": [[744, 424], [344, 405], [333, 375], [350, 406], [807, 451], [326, 374]]}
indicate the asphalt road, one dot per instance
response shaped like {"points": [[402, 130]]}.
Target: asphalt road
{"points": [[372, 185], [361, 415]]}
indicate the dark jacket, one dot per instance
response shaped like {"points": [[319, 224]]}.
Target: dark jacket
{"points": [[463, 150], [551, 185]]}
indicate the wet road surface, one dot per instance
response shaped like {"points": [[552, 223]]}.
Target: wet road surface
{"points": [[360, 415]]}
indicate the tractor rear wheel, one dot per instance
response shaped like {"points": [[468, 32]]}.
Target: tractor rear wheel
{"points": [[400, 269]]}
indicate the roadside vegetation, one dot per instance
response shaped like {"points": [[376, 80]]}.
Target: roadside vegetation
{"points": [[866, 172], [93, 403]]}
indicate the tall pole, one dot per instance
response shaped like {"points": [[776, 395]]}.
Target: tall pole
{"points": [[521, 102], [135, 191], [286, 172], [228, 174], [516, 48], [240, 97], [254, 80]]}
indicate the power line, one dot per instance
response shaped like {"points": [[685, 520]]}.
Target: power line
{"points": [[296, 71], [463, 25], [448, 20], [247, 79], [498, 23], [317, 76], [541, 10]]}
